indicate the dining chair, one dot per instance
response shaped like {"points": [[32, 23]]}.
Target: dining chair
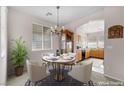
{"points": [[36, 71], [82, 72], [70, 65], [47, 54]]}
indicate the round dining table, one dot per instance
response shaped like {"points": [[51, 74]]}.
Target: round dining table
{"points": [[58, 65]]}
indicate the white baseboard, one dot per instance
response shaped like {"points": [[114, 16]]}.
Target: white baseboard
{"points": [[2, 84], [115, 78]]}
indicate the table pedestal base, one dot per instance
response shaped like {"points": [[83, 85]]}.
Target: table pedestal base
{"points": [[58, 77], [58, 73]]}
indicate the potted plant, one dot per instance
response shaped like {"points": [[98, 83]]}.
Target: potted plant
{"points": [[19, 55]]}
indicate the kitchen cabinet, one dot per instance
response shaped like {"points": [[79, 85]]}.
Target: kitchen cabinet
{"points": [[78, 38], [95, 53], [67, 41], [87, 55], [78, 55], [101, 53]]}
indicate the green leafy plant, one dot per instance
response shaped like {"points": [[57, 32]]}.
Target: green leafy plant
{"points": [[19, 53]]}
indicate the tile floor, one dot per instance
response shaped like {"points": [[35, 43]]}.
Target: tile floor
{"points": [[97, 65]]}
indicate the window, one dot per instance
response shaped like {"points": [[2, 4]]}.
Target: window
{"points": [[37, 37], [42, 38], [47, 38], [92, 41], [96, 40]]}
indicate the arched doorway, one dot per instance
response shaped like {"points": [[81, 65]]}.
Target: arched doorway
{"points": [[92, 42]]}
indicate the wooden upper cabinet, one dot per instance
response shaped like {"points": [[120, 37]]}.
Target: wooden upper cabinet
{"points": [[78, 38], [68, 41]]}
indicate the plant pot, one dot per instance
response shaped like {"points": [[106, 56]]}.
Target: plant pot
{"points": [[18, 71]]}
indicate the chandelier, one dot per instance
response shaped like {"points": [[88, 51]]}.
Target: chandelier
{"points": [[57, 29]]}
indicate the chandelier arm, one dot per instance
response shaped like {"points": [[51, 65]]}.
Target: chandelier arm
{"points": [[57, 29]]}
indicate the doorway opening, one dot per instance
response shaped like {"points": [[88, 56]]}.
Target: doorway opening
{"points": [[92, 43]]}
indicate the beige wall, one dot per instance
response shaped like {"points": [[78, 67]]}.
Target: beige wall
{"points": [[114, 48], [20, 24]]}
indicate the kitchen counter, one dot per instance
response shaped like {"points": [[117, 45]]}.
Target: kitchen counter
{"points": [[95, 53]]}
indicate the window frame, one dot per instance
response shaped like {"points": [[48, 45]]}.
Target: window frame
{"points": [[42, 47]]}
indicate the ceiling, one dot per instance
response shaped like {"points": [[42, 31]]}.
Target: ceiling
{"points": [[92, 27], [67, 13]]}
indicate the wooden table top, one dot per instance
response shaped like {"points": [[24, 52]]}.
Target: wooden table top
{"points": [[58, 60]]}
